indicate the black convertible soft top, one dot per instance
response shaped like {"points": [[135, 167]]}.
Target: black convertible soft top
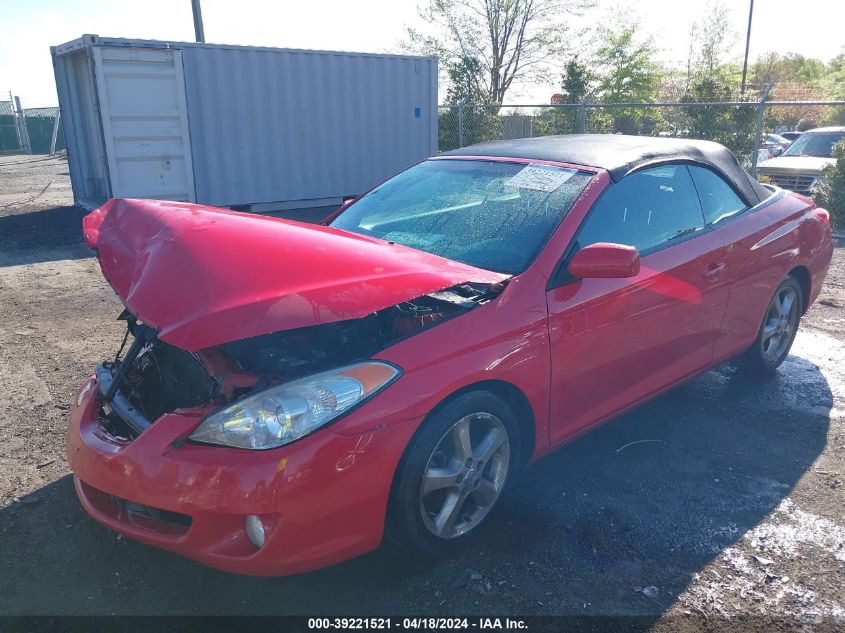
{"points": [[621, 154]]}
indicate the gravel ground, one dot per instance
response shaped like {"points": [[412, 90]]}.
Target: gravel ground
{"points": [[733, 514]]}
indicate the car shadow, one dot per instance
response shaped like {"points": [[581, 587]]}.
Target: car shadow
{"points": [[41, 236], [648, 499]]}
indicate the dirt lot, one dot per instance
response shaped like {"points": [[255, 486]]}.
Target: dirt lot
{"points": [[736, 510]]}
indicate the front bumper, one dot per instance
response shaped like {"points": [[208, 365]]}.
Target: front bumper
{"points": [[322, 499]]}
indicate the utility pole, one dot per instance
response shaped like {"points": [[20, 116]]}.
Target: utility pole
{"points": [[198, 30], [747, 44]]}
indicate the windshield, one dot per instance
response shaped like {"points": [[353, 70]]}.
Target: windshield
{"points": [[488, 214], [814, 144]]}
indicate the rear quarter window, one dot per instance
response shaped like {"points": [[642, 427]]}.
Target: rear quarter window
{"points": [[719, 201]]}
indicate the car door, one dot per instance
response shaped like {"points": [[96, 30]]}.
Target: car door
{"points": [[756, 243], [615, 342]]}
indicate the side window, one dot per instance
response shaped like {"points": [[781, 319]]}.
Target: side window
{"points": [[718, 199], [647, 209]]}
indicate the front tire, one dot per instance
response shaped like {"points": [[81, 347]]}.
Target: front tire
{"points": [[453, 473], [778, 330]]}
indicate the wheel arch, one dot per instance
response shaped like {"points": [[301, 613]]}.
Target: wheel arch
{"points": [[519, 404], [801, 274], [513, 397]]}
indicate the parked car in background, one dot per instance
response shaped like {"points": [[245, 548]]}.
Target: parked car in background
{"points": [[802, 163], [775, 143], [293, 393], [791, 136], [771, 145], [763, 154]]}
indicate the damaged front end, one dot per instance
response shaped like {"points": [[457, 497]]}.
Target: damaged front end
{"points": [[223, 306], [154, 378]]}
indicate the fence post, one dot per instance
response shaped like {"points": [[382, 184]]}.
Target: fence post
{"points": [[15, 118], [582, 118], [758, 130], [55, 131], [23, 133], [461, 124]]}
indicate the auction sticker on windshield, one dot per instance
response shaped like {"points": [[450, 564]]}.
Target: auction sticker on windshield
{"points": [[540, 177]]}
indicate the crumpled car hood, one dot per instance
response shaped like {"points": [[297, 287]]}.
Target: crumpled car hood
{"points": [[205, 276]]}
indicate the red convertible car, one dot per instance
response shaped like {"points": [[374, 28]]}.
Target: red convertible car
{"points": [[292, 393]]}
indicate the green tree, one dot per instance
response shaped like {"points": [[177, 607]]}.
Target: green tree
{"points": [[799, 78], [732, 126], [513, 40], [714, 40], [627, 73], [830, 193], [575, 86], [471, 119], [576, 81], [833, 80], [465, 82], [773, 68], [832, 84], [711, 79]]}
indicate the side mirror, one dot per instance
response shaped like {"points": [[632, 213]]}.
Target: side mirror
{"points": [[777, 150], [605, 261]]}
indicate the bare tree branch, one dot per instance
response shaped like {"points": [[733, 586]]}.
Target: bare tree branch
{"points": [[510, 39]]}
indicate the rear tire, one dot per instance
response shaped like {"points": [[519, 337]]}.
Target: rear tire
{"points": [[777, 332], [453, 473]]}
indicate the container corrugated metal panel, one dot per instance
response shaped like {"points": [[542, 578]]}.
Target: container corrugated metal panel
{"points": [[280, 127], [303, 125], [145, 122]]}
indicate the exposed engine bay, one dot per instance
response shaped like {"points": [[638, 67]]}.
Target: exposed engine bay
{"points": [[154, 377]]}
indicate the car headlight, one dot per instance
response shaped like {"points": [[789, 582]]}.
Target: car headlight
{"points": [[284, 413]]}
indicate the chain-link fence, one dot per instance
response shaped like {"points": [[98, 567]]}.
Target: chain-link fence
{"points": [[29, 130], [739, 125]]}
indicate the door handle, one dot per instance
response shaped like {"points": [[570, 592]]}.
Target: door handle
{"points": [[714, 271]]}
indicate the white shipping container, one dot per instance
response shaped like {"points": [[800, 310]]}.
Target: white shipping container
{"points": [[239, 126]]}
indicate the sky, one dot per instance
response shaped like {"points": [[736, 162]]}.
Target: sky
{"points": [[813, 28]]}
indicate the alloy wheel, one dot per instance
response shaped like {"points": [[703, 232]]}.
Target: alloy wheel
{"points": [[780, 324], [465, 475]]}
